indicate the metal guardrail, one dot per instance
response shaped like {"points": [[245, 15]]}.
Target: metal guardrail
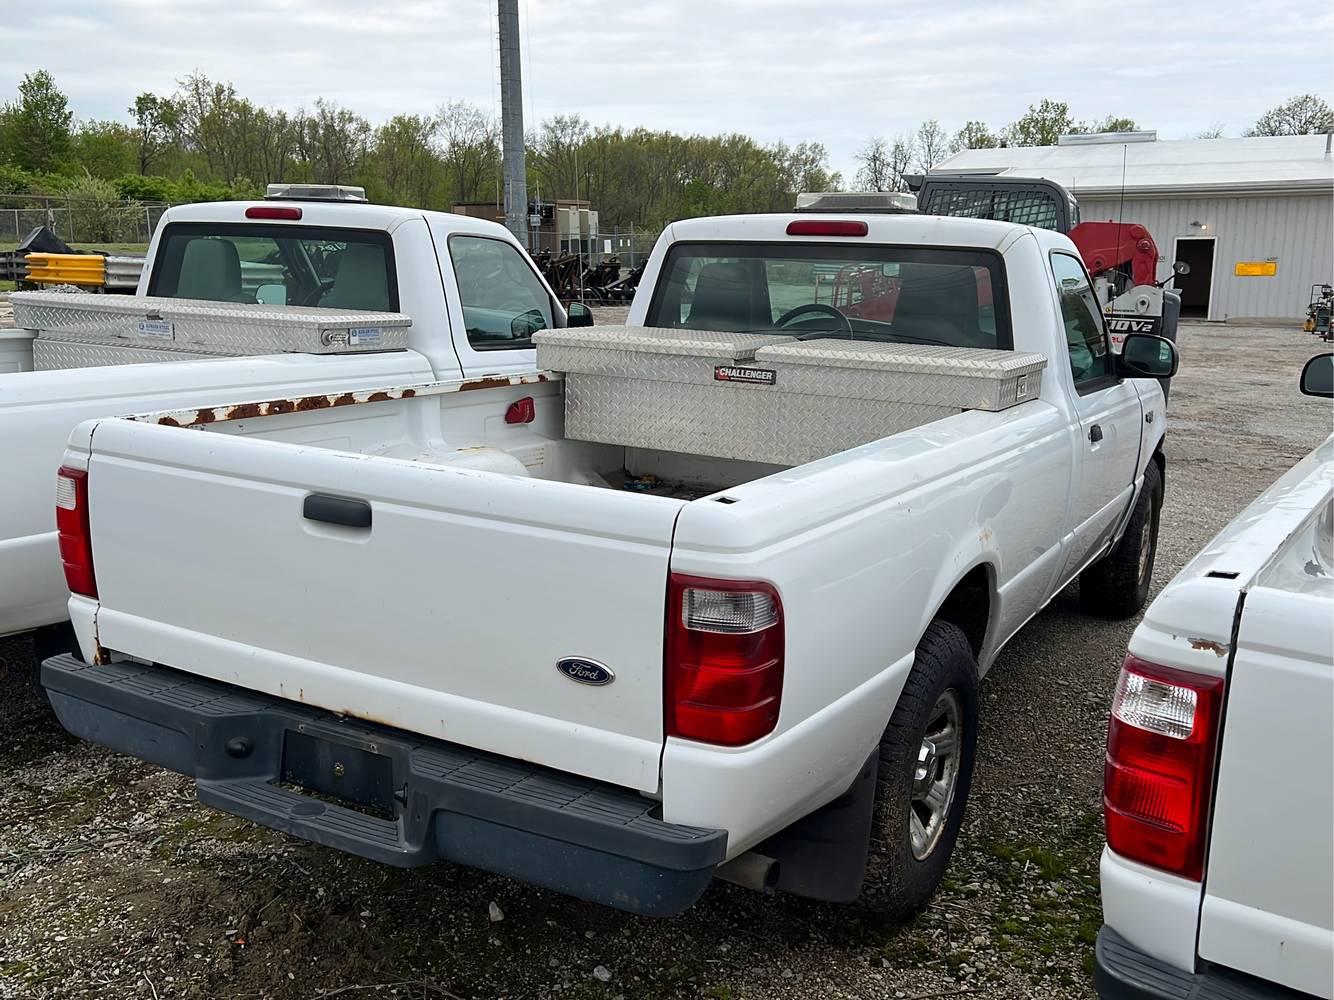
{"points": [[86, 270], [122, 273], [12, 266]]}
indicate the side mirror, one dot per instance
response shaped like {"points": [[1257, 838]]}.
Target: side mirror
{"points": [[1318, 376], [1145, 356], [524, 325], [1181, 267], [271, 295], [579, 315]]}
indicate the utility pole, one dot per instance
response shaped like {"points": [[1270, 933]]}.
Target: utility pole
{"points": [[511, 123]]}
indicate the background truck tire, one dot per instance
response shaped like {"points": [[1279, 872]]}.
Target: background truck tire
{"points": [[938, 706], [1117, 585]]}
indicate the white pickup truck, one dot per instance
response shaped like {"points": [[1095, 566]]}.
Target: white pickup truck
{"points": [[471, 293], [1218, 876], [515, 628]]}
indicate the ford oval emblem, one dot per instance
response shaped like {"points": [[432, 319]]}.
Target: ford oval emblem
{"points": [[576, 668]]}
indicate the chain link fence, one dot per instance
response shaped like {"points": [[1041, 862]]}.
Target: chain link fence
{"points": [[78, 220]]}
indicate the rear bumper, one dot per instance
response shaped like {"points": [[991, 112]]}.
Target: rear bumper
{"points": [[1123, 972], [432, 800]]}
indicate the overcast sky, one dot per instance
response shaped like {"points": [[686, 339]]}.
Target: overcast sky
{"points": [[832, 72]]}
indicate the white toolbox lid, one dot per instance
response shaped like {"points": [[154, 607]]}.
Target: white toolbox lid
{"points": [[730, 346], [923, 358]]}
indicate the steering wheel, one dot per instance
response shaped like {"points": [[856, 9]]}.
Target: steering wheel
{"points": [[815, 307]]}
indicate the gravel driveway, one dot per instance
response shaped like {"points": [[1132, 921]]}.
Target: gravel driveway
{"points": [[115, 883]]}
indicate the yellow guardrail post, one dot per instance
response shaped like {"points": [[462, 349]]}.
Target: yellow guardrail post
{"points": [[82, 269]]}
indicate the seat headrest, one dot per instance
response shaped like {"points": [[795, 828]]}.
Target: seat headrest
{"points": [[361, 280], [211, 270]]}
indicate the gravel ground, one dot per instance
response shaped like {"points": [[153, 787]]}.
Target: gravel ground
{"points": [[114, 882]]}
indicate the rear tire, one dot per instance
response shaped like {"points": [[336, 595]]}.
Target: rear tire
{"points": [[1117, 585], [925, 772]]}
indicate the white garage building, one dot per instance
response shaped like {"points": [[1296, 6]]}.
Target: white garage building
{"points": [[1253, 217]]}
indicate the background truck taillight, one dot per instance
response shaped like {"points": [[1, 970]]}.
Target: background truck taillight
{"points": [[1161, 746], [76, 543], [724, 662]]}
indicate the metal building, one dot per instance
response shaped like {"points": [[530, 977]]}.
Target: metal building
{"points": [[1253, 217]]}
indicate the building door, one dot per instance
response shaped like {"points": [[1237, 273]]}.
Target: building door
{"points": [[1196, 287]]}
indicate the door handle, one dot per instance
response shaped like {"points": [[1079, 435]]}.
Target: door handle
{"points": [[1095, 433], [337, 510]]}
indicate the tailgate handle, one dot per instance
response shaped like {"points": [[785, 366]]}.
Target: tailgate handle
{"points": [[337, 510]]}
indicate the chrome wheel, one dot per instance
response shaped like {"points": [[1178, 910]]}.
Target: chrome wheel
{"points": [[1145, 549], [935, 775]]}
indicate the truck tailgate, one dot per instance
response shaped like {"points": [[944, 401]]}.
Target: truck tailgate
{"points": [[445, 617]]}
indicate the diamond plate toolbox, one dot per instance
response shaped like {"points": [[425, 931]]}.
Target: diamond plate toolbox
{"points": [[204, 329], [765, 397], [964, 378]]}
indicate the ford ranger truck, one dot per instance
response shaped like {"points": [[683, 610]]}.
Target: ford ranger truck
{"points": [[1218, 875], [463, 282], [583, 659]]}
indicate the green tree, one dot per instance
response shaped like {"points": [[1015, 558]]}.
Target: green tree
{"points": [[104, 149], [974, 135], [1305, 114], [157, 122], [37, 127], [1113, 124], [1041, 125]]}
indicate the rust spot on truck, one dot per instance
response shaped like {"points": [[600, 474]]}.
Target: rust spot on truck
{"points": [[306, 403], [409, 393], [493, 382], [346, 399], [205, 416], [1217, 648], [377, 397], [169, 421], [279, 406], [243, 410]]}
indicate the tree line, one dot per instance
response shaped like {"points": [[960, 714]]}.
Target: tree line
{"points": [[204, 141], [884, 162]]}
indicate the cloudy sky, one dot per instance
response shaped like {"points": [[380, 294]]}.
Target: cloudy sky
{"points": [[833, 72]]}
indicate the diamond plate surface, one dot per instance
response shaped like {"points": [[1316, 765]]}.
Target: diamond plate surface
{"points": [[57, 355], [224, 329], [927, 358], [726, 421], [653, 340]]}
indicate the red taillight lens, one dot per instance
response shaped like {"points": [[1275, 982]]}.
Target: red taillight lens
{"points": [[289, 212], [827, 227], [521, 411], [724, 661], [76, 543], [1161, 746]]}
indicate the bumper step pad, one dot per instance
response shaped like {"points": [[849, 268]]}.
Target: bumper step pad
{"points": [[575, 835]]}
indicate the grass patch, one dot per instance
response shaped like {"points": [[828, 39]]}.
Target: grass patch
{"points": [[130, 249]]}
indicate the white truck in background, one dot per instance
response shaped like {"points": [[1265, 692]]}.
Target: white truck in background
{"points": [[603, 664], [1218, 875], [471, 292]]}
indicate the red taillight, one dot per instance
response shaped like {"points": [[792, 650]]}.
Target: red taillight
{"points": [[1161, 746], [827, 227], [521, 411], [289, 212], [724, 659], [76, 543]]}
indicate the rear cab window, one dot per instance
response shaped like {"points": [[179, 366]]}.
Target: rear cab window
{"points": [[276, 264], [887, 294]]}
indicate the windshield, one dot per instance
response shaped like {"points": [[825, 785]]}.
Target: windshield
{"points": [[907, 295], [277, 265]]}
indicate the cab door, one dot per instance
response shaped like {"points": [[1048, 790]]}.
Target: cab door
{"points": [[1108, 425]]}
